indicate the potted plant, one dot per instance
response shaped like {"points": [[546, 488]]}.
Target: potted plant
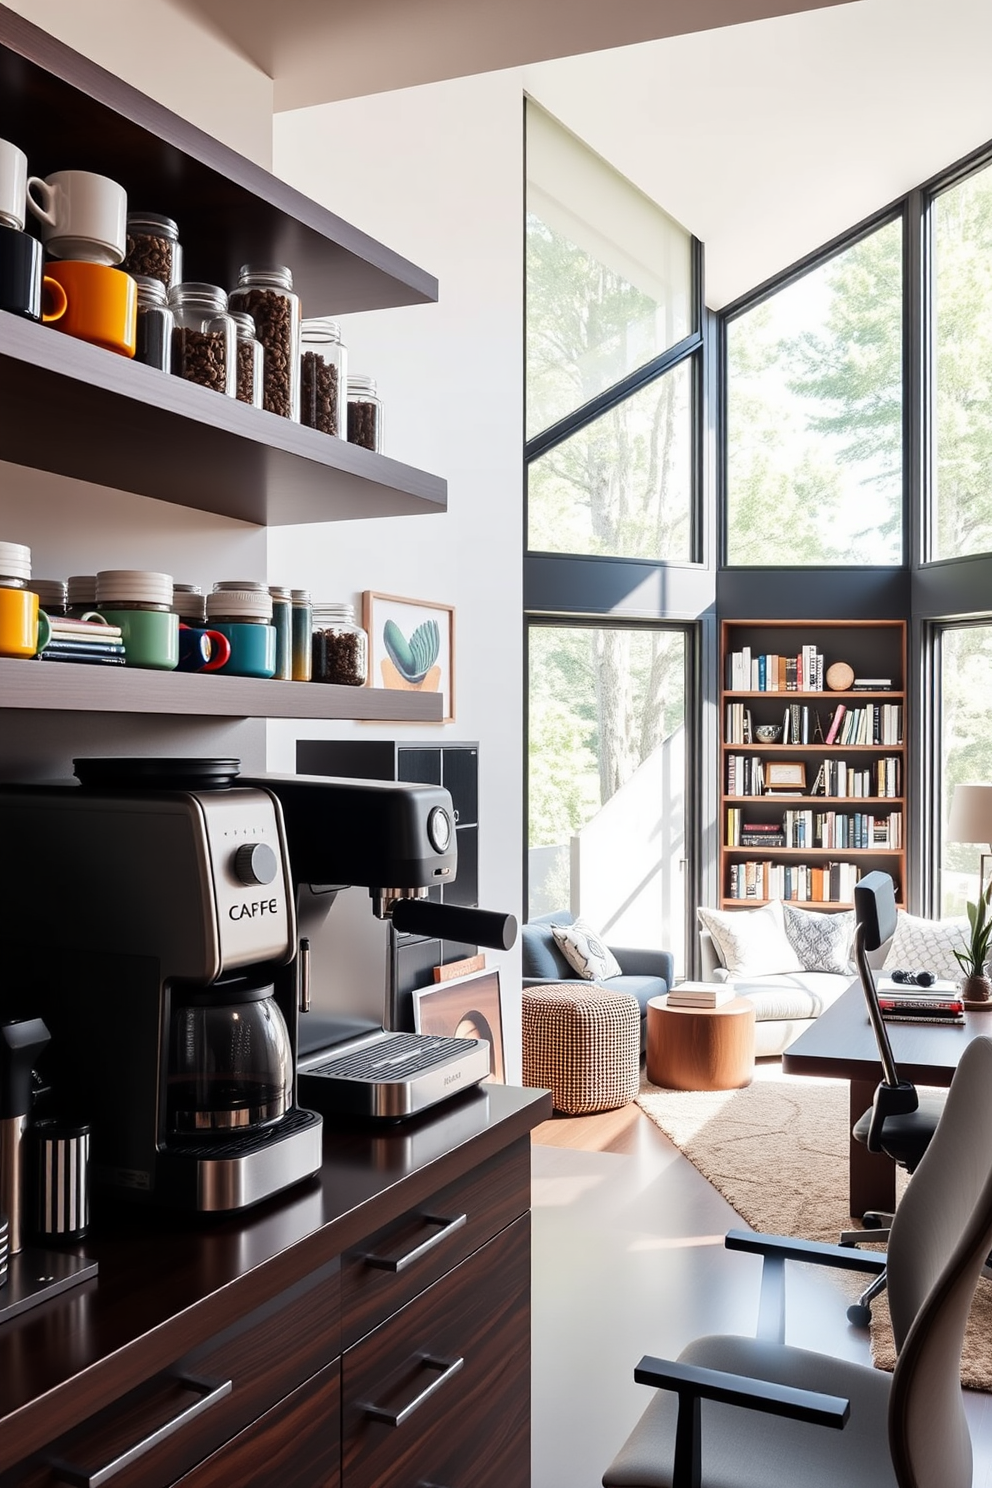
{"points": [[977, 989]]}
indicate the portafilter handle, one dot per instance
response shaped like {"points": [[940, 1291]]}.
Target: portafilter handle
{"points": [[20, 1045], [483, 927]]}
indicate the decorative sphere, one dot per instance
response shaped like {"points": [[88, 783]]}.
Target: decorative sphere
{"points": [[839, 676]]}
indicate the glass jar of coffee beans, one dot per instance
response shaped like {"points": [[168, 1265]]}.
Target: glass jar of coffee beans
{"points": [[267, 296], [323, 378], [364, 413], [153, 248], [340, 646], [204, 340], [250, 360]]}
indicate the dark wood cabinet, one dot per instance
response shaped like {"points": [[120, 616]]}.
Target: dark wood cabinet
{"points": [[232, 1353]]}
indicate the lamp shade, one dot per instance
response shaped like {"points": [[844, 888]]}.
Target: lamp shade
{"points": [[971, 814]]}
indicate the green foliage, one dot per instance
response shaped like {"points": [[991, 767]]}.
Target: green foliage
{"points": [[973, 958]]}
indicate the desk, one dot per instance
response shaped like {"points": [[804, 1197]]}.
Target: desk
{"points": [[841, 1045]]}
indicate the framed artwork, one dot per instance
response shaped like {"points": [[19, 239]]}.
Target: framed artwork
{"points": [[464, 1007], [785, 773], [411, 646]]}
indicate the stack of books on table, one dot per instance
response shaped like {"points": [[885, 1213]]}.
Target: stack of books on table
{"points": [[700, 995], [91, 641], [902, 1003]]}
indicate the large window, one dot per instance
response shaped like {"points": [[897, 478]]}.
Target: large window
{"points": [[962, 367], [606, 779], [815, 415], [965, 747]]}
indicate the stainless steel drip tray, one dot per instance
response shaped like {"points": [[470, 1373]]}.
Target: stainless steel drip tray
{"points": [[390, 1075]]}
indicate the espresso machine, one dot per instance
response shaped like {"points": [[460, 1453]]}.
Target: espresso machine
{"points": [[397, 840], [149, 919]]}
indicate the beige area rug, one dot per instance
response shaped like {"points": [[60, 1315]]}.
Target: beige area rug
{"points": [[777, 1152]]}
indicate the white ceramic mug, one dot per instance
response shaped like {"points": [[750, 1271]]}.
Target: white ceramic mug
{"points": [[13, 185], [82, 216]]}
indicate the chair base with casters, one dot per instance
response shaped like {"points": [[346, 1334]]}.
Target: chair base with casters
{"points": [[736, 1412]]}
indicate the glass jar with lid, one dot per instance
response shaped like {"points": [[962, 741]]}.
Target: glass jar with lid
{"points": [[323, 377], [156, 323], [282, 619], [241, 609], [364, 413], [204, 340], [189, 603], [80, 595], [51, 595], [153, 248], [266, 294], [340, 650], [251, 360], [302, 635], [18, 603]]}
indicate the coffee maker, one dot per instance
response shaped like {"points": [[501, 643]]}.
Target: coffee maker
{"points": [[149, 920], [397, 840]]}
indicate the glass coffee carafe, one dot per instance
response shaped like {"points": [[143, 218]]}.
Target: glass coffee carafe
{"points": [[230, 1061]]}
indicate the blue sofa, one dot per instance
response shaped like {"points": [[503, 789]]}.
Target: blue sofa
{"points": [[646, 974]]}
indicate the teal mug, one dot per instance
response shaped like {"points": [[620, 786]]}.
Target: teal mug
{"points": [[151, 637], [253, 648]]}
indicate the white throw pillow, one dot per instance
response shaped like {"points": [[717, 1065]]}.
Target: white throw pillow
{"points": [[928, 945], [585, 951], [821, 941], [751, 942]]}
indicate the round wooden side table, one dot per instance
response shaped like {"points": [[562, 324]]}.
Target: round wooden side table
{"points": [[700, 1048]]}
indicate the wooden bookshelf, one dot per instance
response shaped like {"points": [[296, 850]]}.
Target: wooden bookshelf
{"points": [[870, 826]]}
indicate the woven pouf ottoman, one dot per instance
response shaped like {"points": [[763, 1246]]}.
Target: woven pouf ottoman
{"points": [[583, 1043]]}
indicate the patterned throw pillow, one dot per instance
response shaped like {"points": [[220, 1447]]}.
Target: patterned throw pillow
{"points": [[927, 945], [751, 942], [585, 952], [821, 941]]}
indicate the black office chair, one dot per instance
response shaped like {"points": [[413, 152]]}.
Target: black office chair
{"points": [[899, 1121]]}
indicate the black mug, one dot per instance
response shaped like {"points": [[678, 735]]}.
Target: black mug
{"points": [[24, 288]]}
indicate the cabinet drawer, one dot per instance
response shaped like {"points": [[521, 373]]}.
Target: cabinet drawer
{"points": [[206, 1397], [295, 1445], [391, 1266], [458, 1424]]}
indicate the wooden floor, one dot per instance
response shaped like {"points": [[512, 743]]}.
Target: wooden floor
{"points": [[628, 1260]]}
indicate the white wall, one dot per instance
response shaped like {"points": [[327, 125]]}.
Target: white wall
{"points": [[172, 57], [436, 173]]}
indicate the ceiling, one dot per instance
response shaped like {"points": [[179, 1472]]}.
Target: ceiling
{"points": [[320, 50], [766, 127]]}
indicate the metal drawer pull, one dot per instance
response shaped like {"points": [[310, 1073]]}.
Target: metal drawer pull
{"points": [[80, 1478], [448, 1227], [396, 1418]]}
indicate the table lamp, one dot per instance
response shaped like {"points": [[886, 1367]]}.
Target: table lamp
{"points": [[971, 821]]}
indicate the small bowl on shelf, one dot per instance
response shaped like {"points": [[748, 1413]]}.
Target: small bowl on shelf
{"points": [[768, 733]]}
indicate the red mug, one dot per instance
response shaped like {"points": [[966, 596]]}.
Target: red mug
{"points": [[202, 650]]}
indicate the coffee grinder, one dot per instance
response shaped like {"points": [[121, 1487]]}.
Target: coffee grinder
{"points": [[397, 840], [149, 920]]}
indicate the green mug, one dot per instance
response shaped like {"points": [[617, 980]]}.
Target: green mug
{"points": [[151, 637]]}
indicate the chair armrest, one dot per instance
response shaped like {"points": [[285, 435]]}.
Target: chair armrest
{"points": [[843, 1257], [740, 1389], [635, 961], [693, 1384]]}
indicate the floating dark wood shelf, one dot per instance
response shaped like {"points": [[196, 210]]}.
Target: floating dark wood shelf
{"points": [[65, 111], [99, 689], [78, 410]]}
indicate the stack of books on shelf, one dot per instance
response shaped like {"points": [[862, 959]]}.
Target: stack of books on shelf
{"points": [[741, 833], [872, 684], [91, 641], [803, 672], [700, 995], [804, 883], [840, 829], [745, 775], [838, 778], [740, 726], [938, 1003], [879, 723]]}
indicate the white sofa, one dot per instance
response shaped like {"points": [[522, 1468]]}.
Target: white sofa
{"points": [[786, 1003]]}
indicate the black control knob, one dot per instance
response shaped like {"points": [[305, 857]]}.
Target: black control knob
{"points": [[255, 863]]}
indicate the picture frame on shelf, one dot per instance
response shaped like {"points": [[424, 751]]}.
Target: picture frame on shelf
{"points": [[785, 775], [465, 1007], [411, 646]]}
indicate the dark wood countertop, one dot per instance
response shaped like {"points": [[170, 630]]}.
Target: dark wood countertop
{"points": [[169, 1281]]}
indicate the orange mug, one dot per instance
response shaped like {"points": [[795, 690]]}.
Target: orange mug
{"points": [[102, 304]]}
